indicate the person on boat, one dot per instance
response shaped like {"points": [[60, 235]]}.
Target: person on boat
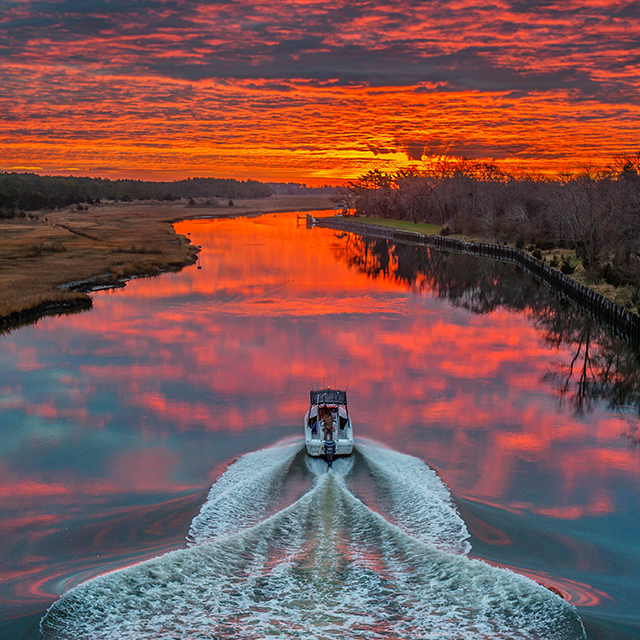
{"points": [[325, 416], [327, 431]]}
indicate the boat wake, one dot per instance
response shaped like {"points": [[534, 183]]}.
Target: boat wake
{"points": [[285, 547]]}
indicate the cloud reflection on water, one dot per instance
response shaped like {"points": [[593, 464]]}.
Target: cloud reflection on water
{"points": [[164, 381]]}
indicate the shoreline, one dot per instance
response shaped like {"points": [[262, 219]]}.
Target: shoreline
{"points": [[18, 319], [603, 309], [51, 260]]}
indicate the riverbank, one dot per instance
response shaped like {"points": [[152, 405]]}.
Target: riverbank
{"points": [[621, 295], [618, 318], [51, 259]]}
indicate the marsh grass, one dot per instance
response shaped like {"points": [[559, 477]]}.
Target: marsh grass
{"points": [[37, 256], [52, 248]]}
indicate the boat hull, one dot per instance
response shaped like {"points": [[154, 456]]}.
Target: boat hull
{"points": [[314, 448]]}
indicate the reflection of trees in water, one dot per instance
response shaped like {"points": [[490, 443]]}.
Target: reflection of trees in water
{"points": [[469, 282], [603, 367]]}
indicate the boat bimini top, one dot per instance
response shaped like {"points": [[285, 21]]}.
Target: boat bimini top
{"points": [[328, 396]]}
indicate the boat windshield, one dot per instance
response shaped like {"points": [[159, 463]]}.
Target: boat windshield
{"points": [[328, 396]]}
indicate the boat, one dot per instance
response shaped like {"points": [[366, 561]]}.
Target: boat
{"points": [[327, 425]]}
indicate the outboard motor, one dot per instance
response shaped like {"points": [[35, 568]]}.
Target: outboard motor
{"points": [[329, 450]]}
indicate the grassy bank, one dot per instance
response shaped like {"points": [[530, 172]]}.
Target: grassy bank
{"points": [[420, 227], [102, 245]]}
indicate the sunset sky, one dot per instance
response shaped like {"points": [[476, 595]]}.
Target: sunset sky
{"points": [[313, 91]]}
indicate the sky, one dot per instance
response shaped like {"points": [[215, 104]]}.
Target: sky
{"points": [[312, 91]]}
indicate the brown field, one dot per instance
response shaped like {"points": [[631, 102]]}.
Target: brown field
{"points": [[103, 245]]}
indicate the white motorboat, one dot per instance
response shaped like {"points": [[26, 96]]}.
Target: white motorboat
{"points": [[327, 425]]}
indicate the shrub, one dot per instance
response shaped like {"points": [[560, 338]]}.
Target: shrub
{"points": [[555, 262], [520, 243], [134, 249], [610, 274], [48, 247], [536, 253], [566, 266]]}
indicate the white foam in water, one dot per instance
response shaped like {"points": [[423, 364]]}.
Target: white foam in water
{"points": [[318, 466], [419, 502], [324, 567], [242, 494]]}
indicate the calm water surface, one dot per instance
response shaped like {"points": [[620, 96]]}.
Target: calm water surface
{"points": [[115, 423]]}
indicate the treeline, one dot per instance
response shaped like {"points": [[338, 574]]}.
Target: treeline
{"points": [[20, 192], [594, 213], [298, 189]]}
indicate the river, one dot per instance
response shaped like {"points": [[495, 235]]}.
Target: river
{"points": [[150, 452]]}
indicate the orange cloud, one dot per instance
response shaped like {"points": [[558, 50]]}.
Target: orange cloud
{"points": [[319, 91]]}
